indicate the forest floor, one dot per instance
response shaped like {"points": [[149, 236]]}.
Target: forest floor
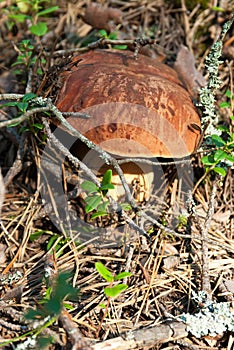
{"points": [[130, 280]]}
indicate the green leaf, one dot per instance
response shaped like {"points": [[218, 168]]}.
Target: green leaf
{"points": [[115, 291], [20, 60], [17, 71], [32, 314], [107, 177], [28, 97], [64, 287], [219, 155], [102, 306], [68, 306], [92, 202], [53, 306], [9, 104], [23, 129], [223, 128], [19, 18], [103, 33], [113, 36], [46, 296], [125, 206], [13, 124], [101, 210], [106, 182], [224, 105], [47, 11], [35, 235], [107, 187], [122, 275], [218, 140], [56, 293], [89, 186], [228, 93], [103, 206], [120, 47], [39, 29], [98, 214], [217, 8], [220, 171], [208, 160], [51, 241], [229, 157], [43, 342], [26, 45], [38, 126], [22, 106], [104, 272], [23, 5]]}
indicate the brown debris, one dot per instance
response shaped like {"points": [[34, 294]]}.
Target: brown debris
{"points": [[185, 67], [102, 17]]}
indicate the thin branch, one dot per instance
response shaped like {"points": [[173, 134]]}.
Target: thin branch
{"points": [[104, 155], [23, 117], [153, 163], [74, 160], [204, 232], [145, 337], [77, 339], [161, 226], [203, 228], [76, 115], [10, 97], [136, 43]]}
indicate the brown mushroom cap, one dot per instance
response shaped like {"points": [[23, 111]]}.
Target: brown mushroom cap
{"points": [[137, 108]]}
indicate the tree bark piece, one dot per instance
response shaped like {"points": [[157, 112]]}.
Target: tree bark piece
{"points": [[143, 338]]}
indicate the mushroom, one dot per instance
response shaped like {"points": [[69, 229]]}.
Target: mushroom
{"points": [[137, 108]]}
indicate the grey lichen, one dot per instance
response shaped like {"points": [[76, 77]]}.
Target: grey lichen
{"points": [[213, 318], [29, 343], [207, 94]]}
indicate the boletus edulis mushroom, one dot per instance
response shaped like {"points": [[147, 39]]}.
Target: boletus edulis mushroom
{"points": [[137, 108]]}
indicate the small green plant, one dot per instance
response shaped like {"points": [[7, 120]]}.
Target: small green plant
{"points": [[46, 313], [30, 11], [96, 195], [55, 242], [23, 105], [113, 290], [182, 221], [53, 300], [27, 58], [25, 55], [27, 103], [222, 156], [219, 139]]}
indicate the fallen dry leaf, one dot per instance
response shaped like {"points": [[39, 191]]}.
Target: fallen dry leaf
{"points": [[102, 17], [188, 74]]}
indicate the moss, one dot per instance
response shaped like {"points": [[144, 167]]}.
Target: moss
{"points": [[190, 4]]}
